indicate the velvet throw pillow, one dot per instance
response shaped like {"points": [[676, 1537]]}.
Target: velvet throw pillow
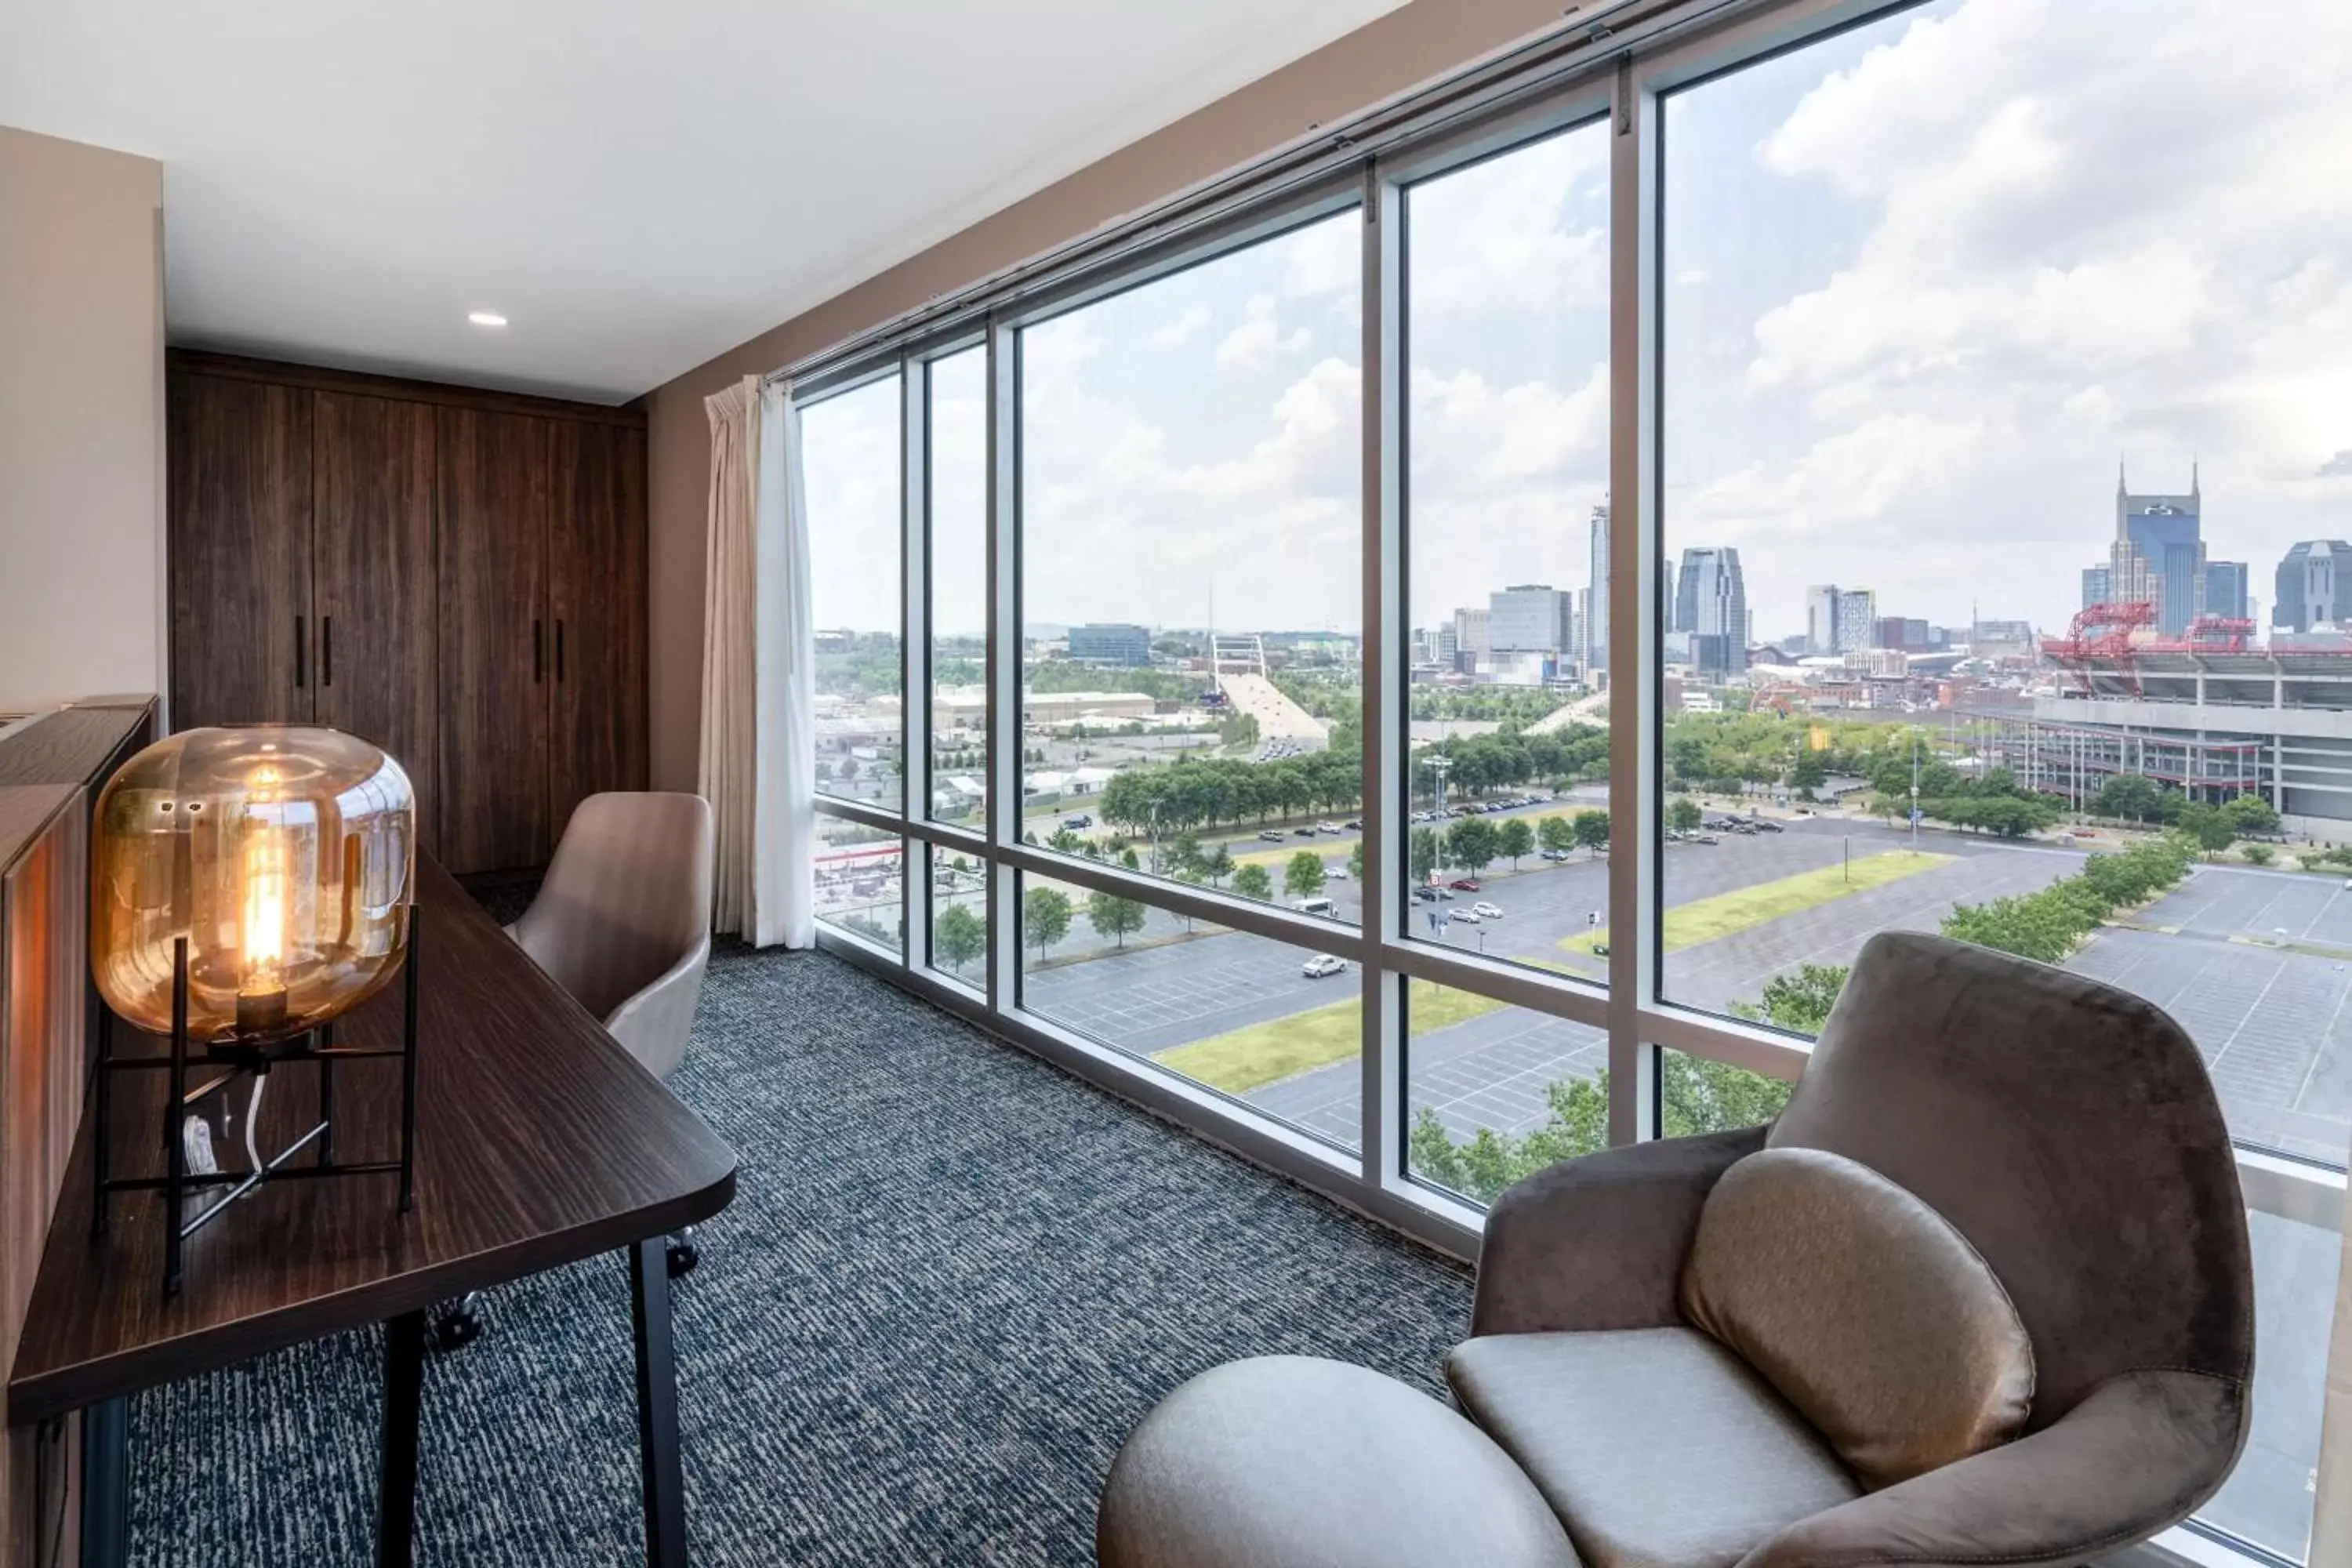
{"points": [[1865, 1308]]}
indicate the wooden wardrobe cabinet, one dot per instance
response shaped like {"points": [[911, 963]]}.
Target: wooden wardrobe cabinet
{"points": [[458, 576]]}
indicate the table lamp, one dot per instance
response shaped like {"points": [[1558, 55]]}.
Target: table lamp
{"points": [[249, 886]]}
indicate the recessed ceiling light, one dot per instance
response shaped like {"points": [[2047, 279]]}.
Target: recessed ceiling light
{"points": [[487, 319]]}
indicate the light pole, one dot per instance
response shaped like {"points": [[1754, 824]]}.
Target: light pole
{"points": [[1439, 764], [1914, 794]]}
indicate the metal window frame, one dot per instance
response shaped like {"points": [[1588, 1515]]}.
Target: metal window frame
{"points": [[1622, 62]]}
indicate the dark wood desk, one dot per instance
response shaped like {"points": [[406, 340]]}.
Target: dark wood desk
{"points": [[540, 1142]]}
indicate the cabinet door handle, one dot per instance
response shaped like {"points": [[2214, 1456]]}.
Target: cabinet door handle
{"points": [[559, 651], [538, 652], [326, 650], [300, 642]]}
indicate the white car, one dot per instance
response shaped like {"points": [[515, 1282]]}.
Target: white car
{"points": [[1329, 827], [1485, 911], [1468, 917], [1323, 964]]}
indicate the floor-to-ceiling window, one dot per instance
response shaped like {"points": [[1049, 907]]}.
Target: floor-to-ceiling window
{"points": [[1438, 667]]}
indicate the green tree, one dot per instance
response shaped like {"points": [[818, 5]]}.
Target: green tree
{"points": [[1591, 828], [2258, 853], [2131, 797], [1556, 834], [1113, 916], [1065, 841], [1045, 918], [1252, 882], [1698, 1096], [1129, 858], [1185, 859], [2250, 814], [1471, 843], [1514, 839], [1422, 852], [1356, 860], [1219, 864], [1683, 814], [958, 937], [2206, 827], [1304, 877], [1799, 999]]}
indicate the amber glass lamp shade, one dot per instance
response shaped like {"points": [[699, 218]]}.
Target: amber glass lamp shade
{"points": [[283, 855]]}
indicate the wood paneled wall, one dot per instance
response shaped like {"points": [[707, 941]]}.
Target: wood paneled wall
{"points": [[456, 576]]}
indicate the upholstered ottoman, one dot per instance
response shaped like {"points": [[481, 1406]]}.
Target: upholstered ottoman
{"points": [[1295, 1462]]}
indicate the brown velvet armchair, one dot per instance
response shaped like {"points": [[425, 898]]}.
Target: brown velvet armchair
{"points": [[2038, 1152], [2067, 1130]]}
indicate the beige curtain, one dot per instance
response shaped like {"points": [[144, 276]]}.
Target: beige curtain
{"points": [[728, 771]]}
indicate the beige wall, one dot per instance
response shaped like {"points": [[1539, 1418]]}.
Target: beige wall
{"points": [[82, 421], [1409, 45]]}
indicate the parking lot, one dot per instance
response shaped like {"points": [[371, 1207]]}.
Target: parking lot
{"points": [[2272, 1020]]}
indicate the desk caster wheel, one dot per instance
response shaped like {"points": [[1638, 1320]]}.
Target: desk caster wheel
{"points": [[681, 1255], [458, 1323]]}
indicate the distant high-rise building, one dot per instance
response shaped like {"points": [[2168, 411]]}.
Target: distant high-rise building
{"points": [[1821, 617], [2158, 553], [2098, 581], [1711, 605], [2225, 589], [1595, 617], [1529, 617], [1111, 643], [1857, 618], [1470, 631], [2314, 585]]}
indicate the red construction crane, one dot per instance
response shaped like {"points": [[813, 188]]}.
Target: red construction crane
{"points": [[2102, 634]]}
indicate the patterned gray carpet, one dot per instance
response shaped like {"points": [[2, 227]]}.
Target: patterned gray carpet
{"points": [[952, 1280]]}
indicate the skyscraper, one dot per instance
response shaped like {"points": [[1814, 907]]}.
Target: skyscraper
{"points": [[1528, 617], [2314, 581], [2097, 581], [1596, 606], [1821, 618], [1857, 618], [2225, 589], [2158, 553], [1711, 605]]}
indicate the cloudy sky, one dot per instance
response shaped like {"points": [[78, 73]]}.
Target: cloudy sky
{"points": [[1924, 282]]}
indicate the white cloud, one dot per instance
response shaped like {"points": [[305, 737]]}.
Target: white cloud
{"points": [[1183, 328], [1519, 234], [2072, 237], [1253, 347]]}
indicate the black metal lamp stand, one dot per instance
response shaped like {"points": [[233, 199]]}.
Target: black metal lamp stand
{"points": [[238, 1059]]}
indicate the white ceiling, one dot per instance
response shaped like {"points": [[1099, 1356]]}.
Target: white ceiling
{"points": [[637, 186]]}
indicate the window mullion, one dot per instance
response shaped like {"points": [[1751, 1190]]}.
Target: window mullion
{"points": [[1002, 661], [1380, 664], [1633, 641]]}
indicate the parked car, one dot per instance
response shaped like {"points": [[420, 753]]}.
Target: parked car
{"points": [[1303, 831], [1485, 911], [1271, 834], [1081, 820], [1429, 895], [1703, 838], [1463, 884], [1354, 825], [1764, 825], [1329, 827], [1674, 836], [1323, 964], [1554, 855], [1465, 916], [1600, 949]]}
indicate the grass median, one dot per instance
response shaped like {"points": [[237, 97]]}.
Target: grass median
{"points": [[1258, 1054], [1743, 909]]}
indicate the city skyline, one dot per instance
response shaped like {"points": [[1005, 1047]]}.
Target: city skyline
{"points": [[1907, 359]]}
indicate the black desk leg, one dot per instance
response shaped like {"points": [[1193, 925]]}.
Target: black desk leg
{"points": [[106, 1485], [665, 1477], [403, 1397]]}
